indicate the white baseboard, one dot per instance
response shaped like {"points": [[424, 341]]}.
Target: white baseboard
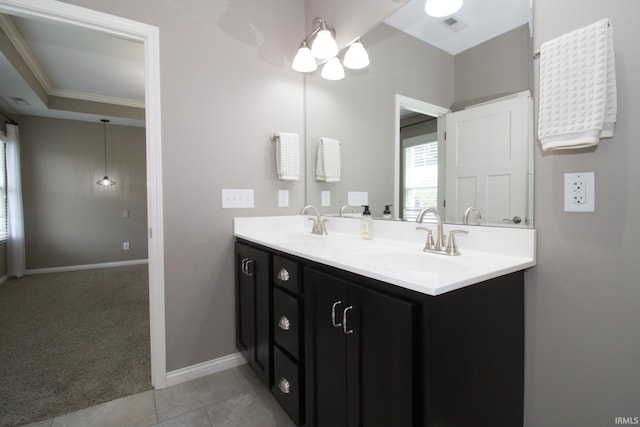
{"points": [[205, 368], [86, 266]]}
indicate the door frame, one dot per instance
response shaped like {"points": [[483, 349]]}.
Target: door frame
{"points": [[56, 11]]}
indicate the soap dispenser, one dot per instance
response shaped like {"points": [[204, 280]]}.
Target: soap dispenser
{"points": [[366, 224], [386, 214]]}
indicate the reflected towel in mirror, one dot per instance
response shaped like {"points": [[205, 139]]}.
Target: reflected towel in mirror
{"points": [[328, 160], [287, 156]]}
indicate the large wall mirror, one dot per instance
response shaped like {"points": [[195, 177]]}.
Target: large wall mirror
{"points": [[441, 117]]}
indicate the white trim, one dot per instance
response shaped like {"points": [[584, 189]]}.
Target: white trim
{"points": [[74, 15], [85, 266], [205, 368], [84, 96]]}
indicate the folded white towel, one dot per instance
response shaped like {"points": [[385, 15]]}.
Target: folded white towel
{"points": [[328, 160], [288, 156], [577, 102]]}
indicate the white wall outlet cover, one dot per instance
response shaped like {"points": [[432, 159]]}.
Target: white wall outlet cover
{"points": [[326, 198], [283, 198], [358, 198], [579, 192]]}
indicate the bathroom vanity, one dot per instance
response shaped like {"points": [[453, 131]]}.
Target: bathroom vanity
{"points": [[345, 333]]}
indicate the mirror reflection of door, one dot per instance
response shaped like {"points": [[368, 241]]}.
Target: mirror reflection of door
{"points": [[487, 154]]}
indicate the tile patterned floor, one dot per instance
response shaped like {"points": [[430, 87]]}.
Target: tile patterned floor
{"points": [[231, 398]]}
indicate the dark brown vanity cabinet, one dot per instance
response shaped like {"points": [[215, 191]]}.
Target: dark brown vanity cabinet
{"points": [[339, 349], [253, 305], [359, 355]]}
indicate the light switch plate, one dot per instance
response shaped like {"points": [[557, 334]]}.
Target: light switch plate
{"points": [[357, 198], [237, 199], [579, 192], [326, 198]]}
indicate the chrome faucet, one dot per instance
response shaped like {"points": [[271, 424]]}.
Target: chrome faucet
{"points": [[465, 218], [438, 246], [319, 224], [344, 208], [439, 239]]}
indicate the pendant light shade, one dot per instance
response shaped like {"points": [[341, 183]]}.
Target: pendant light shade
{"points": [[105, 181], [440, 8], [356, 57]]}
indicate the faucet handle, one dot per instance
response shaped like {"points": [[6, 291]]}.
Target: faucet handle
{"points": [[452, 249], [429, 244]]}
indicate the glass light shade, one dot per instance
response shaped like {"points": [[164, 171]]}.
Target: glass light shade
{"points": [[332, 69], [304, 62], [440, 8], [356, 56], [106, 181], [324, 46]]}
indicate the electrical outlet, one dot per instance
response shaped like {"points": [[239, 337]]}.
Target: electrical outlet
{"points": [[125, 246], [326, 198], [283, 198], [579, 192]]}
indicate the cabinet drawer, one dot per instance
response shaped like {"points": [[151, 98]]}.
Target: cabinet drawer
{"points": [[286, 318], [287, 385], [285, 274]]}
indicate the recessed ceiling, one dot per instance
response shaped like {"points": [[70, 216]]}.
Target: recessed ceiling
{"points": [[70, 69], [476, 22]]}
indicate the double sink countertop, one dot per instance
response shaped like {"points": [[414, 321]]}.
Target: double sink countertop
{"points": [[395, 253]]}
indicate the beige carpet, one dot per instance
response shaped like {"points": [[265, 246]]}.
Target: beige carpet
{"points": [[72, 340]]}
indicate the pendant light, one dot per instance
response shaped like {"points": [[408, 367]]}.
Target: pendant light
{"points": [[105, 181], [356, 57]]}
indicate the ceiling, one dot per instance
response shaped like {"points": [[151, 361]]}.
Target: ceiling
{"points": [[69, 72], [476, 22], [64, 71]]}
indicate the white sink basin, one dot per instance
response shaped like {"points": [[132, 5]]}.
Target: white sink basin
{"points": [[403, 260]]}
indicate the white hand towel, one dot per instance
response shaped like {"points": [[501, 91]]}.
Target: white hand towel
{"points": [[288, 156], [578, 97], [328, 160]]}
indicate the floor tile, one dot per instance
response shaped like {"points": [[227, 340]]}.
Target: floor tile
{"points": [[197, 418], [130, 411], [45, 423], [245, 410], [186, 397]]}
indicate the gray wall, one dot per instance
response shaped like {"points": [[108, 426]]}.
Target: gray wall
{"points": [[583, 298], [226, 86], [69, 219]]}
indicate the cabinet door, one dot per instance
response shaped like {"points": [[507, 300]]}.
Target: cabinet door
{"points": [[360, 355], [252, 309], [325, 345]]}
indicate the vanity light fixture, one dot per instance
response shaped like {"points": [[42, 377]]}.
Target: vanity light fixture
{"points": [[105, 181], [332, 69], [356, 57], [324, 48], [440, 8]]}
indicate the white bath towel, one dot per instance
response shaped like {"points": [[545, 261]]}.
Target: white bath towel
{"points": [[328, 160], [288, 156], [578, 98]]}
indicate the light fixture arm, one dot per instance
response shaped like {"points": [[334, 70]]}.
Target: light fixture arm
{"points": [[104, 122], [319, 24]]}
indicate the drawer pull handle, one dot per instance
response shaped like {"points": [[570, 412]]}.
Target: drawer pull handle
{"points": [[247, 267], [284, 386], [344, 320], [333, 314], [284, 323], [283, 275]]}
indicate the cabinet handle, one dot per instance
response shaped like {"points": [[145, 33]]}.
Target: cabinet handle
{"points": [[244, 266], [247, 271], [344, 320], [284, 386], [283, 275], [333, 314], [284, 323]]}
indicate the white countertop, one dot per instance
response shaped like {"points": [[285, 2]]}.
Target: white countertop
{"points": [[395, 254]]}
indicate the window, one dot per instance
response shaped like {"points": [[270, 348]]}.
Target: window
{"points": [[420, 175], [3, 193]]}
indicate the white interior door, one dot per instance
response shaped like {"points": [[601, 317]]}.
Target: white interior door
{"points": [[487, 158]]}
